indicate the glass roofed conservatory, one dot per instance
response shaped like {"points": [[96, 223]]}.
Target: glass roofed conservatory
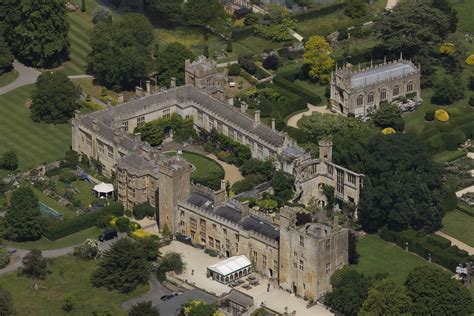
{"points": [[230, 269]]}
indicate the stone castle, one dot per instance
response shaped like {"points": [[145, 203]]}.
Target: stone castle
{"points": [[360, 92], [301, 257]]}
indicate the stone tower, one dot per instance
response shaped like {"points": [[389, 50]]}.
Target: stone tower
{"points": [[325, 150], [203, 74], [174, 185], [309, 255]]}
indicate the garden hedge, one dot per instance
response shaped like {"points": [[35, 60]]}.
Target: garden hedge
{"points": [[241, 33], [61, 229], [318, 12], [438, 247], [463, 207], [285, 80]]}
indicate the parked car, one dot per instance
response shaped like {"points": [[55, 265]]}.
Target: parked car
{"points": [[108, 234], [183, 239], [168, 296]]}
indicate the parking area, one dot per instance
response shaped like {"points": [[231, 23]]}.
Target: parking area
{"points": [[275, 298]]}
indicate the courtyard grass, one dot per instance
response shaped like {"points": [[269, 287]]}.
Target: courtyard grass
{"points": [[34, 143], [460, 226], [379, 256], [447, 156], [464, 8], [53, 204], [67, 241], [8, 78], [204, 166], [85, 195], [69, 277]]}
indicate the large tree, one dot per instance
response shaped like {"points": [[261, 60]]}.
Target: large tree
{"points": [[403, 186], [144, 309], [202, 12], [34, 265], [40, 34], [123, 267], [23, 218], [6, 57], [317, 56], [54, 99], [121, 51], [165, 10], [349, 291], [386, 298], [412, 27], [6, 303], [170, 63], [388, 115], [435, 292], [199, 308]]}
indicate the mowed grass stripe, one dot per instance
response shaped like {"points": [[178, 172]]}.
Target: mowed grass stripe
{"points": [[34, 143]]}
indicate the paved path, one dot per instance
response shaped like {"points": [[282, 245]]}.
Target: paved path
{"points": [[222, 65], [391, 4], [26, 76], [293, 121], [16, 258], [79, 77], [156, 291], [457, 242], [232, 173]]}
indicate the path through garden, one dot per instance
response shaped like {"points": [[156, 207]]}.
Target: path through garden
{"points": [[457, 242], [232, 173], [293, 121]]}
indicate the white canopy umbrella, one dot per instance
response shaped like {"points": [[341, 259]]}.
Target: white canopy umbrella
{"points": [[104, 189]]}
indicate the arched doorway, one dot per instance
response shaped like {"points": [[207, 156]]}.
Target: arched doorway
{"points": [[294, 289], [227, 254], [271, 272], [341, 108]]}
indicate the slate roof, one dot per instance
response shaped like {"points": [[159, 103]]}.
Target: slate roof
{"points": [[110, 119], [137, 165], [240, 298], [232, 213], [381, 73], [173, 305]]}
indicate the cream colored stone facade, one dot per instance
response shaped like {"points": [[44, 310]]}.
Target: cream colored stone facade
{"points": [[360, 92], [203, 75]]}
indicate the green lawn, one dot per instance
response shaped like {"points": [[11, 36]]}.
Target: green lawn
{"points": [[446, 156], [379, 256], [465, 9], [8, 77], [69, 277], [204, 166], [460, 226], [34, 143], [85, 195], [70, 240]]}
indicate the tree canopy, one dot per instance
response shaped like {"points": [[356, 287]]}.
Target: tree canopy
{"points": [[317, 56], [54, 99], [202, 12], [123, 267], [22, 218], [6, 57], [278, 26], [388, 115], [435, 292], [121, 51], [386, 298], [34, 265], [199, 308], [170, 63], [144, 309], [411, 27], [165, 10], [350, 290], [9, 160], [39, 32], [403, 186], [6, 303]]}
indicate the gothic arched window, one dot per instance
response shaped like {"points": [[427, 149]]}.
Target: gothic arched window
{"points": [[396, 90], [360, 100], [370, 98], [410, 87], [383, 95]]}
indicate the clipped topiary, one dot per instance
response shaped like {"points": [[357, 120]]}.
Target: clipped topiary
{"points": [[430, 115], [447, 48], [388, 131], [470, 60], [441, 115]]}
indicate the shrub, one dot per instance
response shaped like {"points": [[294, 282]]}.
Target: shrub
{"points": [[447, 48], [439, 241], [453, 112], [140, 233], [388, 131], [143, 210], [441, 115], [234, 70], [430, 115], [471, 100], [211, 252], [470, 60], [271, 62], [123, 224], [88, 250], [4, 257]]}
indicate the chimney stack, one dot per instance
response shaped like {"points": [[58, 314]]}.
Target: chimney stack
{"points": [[243, 107], [120, 98], [138, 91], [244, 207], [173, 83], [95, 125], [137, 137], [223, 185], [273, 123], [148, 89], [257, 116]]}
